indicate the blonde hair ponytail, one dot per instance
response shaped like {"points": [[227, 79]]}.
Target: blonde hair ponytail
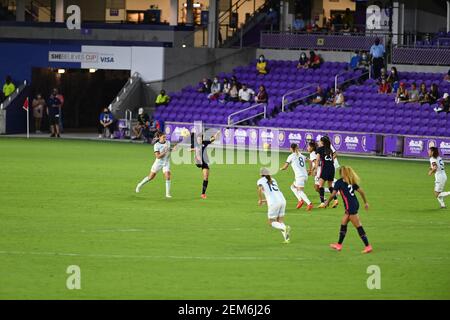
{"points": [[349, 175]]}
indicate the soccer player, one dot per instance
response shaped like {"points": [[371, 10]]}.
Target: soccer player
{"points": [[437, 167], [347, 186], [298, 163], [276, 203], [325, 158], [201, 157], [162, 153]]}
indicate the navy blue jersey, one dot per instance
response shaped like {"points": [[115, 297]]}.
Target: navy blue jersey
{"points": [[348, 195], [53, 104], [326, 160], [200, 152]]}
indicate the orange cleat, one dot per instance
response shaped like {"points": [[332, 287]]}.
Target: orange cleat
{"points": [[309, 207], [203, 196], [367, 249], [336, 246], [300, 204]]}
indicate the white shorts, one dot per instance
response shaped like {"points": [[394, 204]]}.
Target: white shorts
{"points": [[439, 184], [300, 181], [336, 164], [157, 166], [276, 210]]}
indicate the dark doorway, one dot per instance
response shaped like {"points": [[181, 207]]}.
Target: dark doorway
{"points": [[85, 92]]}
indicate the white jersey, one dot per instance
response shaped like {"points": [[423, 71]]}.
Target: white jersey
{"points": [[298, 163], [312, 158], [440, 168], [162, 147], [271, 191]]}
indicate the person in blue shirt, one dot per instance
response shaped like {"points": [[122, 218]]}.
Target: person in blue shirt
{"points": [[299, 23], [106, 124], [347, 186], [377, 52], [53, 112], [355, 60]]}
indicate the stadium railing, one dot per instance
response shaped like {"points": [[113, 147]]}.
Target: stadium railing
{"points": [[284, 102], [255, 106], [11, 97]]}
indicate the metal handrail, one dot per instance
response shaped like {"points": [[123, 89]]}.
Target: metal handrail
{"points": [[348, 80], [283, 104], [12, 96], [123, 92], [129, 120], [246, 109]]}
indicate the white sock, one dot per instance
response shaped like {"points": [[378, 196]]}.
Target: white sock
{"points": [[327, 190], [304, 197], [294, 190], [167, 186], [144, 181], [279, 226], [441, 201], [444, 194]]}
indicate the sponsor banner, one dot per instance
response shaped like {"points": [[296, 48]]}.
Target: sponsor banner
{"points": [[418, 147], [108, 57]]}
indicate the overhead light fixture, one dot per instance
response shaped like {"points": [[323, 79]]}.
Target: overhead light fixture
{"points": [[61, 71], [183, 45], [92, 70]]}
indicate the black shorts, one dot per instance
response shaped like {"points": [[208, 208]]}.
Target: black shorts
{"points": [[203, 165], [327, 173], [53, 119], [352, 212]]}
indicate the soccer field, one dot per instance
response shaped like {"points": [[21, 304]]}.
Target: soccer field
{"points": [[68, 203]]}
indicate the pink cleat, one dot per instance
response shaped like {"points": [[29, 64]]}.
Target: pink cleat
{"points": [[336, 246], [203, 196], [367, 249], [309, 207], [300, 204]]}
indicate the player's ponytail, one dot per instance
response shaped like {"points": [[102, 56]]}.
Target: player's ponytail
{"points": [[313, 146], [269, 179], [349, 175], [327, 145], [434, 152], [294, 147]]}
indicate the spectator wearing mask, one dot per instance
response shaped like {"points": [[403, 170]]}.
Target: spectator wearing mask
{"points": [[162, 99], [106, 124], [226, 87], [393, 78], [384, 87], [355, 60], [383, 76], [364, 63], [262, 96], [53, 112], [423, 93], [319, 97], [314, 60], [433, 94], [205, 86], [246, 94], [38, 106], [444, 105], [330, 97], [413, 93], [261, 65], [402, 93], [216, 89], [377, 52], [142, 125], [302, 61], [8, 87]]}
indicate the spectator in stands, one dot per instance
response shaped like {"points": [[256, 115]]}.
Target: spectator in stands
{"points": [[364, 63], [261, 65], [234, 80], [246, 94], [377, 52], [314, 60], [423, 93], [162, 99], [53, 112], [355, 31], [383, 76], [302, 61], [337, 21], [384, 87], [234, 92], [143, 123], [330, 97], [339, 99], [319, 97], [447, 76], [402, 93], [106, 124], [348, 19], [346, 30], [444, 105], [355, 60], [226, 88], [8, 88], [262, 96], [413, 93], [433, 94], [299, 23], [393, 78], [216, 89], [38, 106], [152, 129], [205, 86]]}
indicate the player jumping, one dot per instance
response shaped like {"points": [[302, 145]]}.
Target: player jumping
{"points": [[437, 167]]}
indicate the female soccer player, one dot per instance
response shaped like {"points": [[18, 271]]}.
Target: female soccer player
{"points": [[348, 185], [162, 153], [298, 163], [437, 167], [276, 203], [201, 157], [325, 158]]}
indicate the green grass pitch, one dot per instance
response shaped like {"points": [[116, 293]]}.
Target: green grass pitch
{"points": [[73, 203]]}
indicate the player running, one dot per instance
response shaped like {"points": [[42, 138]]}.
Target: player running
{"points": [[347, 186], [201, 157], [325, 159], [276, 203], [437, 167], [162, 153], [298, 163]]}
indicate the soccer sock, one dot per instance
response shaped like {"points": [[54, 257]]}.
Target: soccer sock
{"points": [[167, 186], [326, 190], [205, 185], [331, 191], [304, 197], [294, 190], [279, 226], [444, 194], [144, 181], [322, 195], [363, 236], [342, 233]]}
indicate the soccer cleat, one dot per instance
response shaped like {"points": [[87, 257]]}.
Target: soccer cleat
{"points": [[367, 249], [138, 188], [287, 234], [287, 241], [168, 196], [336, 246], [322, 206], [203, 196], [443, 207], [300, 204], [309, 207], [335, 204]]}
